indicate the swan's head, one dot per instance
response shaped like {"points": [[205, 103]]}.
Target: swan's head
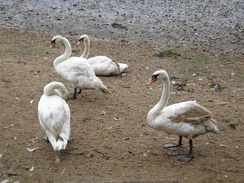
{"points": [[157, 75], [55, 40], [82, 39], [64, 94]]}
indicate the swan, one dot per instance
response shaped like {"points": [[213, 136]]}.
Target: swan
{"points": [[75, 69], [54, 115], [186, 119], [102, 65]]}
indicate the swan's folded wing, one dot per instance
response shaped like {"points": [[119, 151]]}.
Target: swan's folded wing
{"points": [[99, 60], [196, 114], [79, 70]]}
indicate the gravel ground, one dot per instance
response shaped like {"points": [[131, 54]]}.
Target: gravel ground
{"points": [[215, 26]]}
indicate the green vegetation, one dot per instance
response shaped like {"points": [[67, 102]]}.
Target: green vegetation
{"points": [[167, 53], [85, 119]]}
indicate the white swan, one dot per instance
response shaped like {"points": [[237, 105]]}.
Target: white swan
{"points": [[102, 65], [75, 69], [186, 119], [54, 115]]}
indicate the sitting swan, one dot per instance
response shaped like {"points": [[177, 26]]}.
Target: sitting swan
{"points": [[102, 65], [54, 115], [186, 119], [75, 69]]}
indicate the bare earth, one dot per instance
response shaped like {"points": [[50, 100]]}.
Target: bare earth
{"points": [[111, 139]]}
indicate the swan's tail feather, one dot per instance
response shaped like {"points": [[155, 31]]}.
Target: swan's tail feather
{"points": [[210, 126], [60, 144], [103, 89], [122, 67], [98, 84]]}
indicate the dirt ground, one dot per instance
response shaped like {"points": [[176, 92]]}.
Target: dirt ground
{"points": [[111, 138]]}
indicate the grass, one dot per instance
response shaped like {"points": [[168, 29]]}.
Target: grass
{"points": [[148, 133], [167, 53], [205, 59], [179, 49], [85, 119], [196, 69]]}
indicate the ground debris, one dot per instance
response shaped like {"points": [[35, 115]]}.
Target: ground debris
{"points": [[119, 25], [141, 181]]}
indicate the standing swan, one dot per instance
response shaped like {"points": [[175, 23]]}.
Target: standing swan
{"points": [[75, 69], [102, 65], [54, 115], [186, 119]]}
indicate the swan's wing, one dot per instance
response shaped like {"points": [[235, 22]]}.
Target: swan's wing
{"points": [[190, 112], [99, 60], [103, 65], [75, 69]]}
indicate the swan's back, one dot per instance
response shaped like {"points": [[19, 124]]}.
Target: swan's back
{"points": [[103, 66], [99, 60], [54, 116], [75, 70]]}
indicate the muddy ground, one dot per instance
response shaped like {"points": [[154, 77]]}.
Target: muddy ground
{"points": [[111, 139]]}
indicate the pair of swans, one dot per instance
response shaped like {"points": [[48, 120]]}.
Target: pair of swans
{"points": [[102, 65], [54, 115], [75, 69], [186, 119]]}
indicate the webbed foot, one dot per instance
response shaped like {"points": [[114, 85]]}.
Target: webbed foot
{"points": [[185, 157], [172, 146]]}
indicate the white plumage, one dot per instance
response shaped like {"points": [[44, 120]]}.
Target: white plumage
{"points": [[186, 119], [54, 115], [102, 65], [75, 69]]}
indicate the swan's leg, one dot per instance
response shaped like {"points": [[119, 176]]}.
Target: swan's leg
{"points": [[74, 95], [57, 156], [173, 146], [72, 92], [79, 92], [187, 157]]}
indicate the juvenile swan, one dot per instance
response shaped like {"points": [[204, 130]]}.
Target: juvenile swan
{"points": [[54, 115], [75, 69], [186, 119], [102, 65]]}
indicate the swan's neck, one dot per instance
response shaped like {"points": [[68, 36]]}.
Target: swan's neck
{"points": [[66, 54], [164, 98], [53, 89], [86, 51]]}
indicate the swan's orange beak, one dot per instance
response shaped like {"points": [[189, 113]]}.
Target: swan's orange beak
{"points": [[52, 44], [80, 42], [152, 80]]}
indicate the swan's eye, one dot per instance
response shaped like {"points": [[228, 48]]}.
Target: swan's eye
{"points": [[153, 79], [155, 76]]}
